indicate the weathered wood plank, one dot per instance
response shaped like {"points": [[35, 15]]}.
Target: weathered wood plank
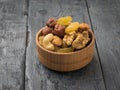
{"points": [[40, 78], [105, 16], [12, 44]]}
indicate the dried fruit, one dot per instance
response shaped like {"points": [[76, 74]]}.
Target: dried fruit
{"points": [[64, 20], [72, 27], [65, 50], [59, 30], [51, 22], [84, 26]]}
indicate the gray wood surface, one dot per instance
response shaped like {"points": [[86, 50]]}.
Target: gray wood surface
{"points": [[12, 44], [20, 68], [105, 17], [40, 78]]}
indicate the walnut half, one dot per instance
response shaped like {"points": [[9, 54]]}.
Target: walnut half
{"points": [[68, 38], [81, 40]]}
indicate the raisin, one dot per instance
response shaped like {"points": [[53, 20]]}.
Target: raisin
{"points": [[72, 27], [64, 20]]}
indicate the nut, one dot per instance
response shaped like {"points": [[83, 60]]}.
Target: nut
{"points": [[41, 39], [59, 30], [57, 41], [46, 30], [51, 22], [78, 42], [47, 42], [81, 40], [85, 34], [68, 38]]}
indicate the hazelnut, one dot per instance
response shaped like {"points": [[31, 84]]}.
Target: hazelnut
{"points": [[57, 41], [46, 30], [84, 26], [59, 30], [51, 22]]}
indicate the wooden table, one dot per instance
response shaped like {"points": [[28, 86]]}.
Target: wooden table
{"points": [[19, 66]]}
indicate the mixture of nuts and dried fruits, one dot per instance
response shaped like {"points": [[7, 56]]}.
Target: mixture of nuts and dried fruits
{"points": [[63, 35]]}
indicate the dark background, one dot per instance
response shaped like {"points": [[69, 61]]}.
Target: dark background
{"points": [[19, 66]]}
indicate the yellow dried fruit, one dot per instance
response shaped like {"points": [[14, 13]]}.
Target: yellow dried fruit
{"points": [[64, 20], [72, 27], [66, 50]]}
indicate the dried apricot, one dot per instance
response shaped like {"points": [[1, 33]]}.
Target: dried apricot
{"points": [[84, 26], [72, 27], [64, 20]]}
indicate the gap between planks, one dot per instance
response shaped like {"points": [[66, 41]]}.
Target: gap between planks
{"points": [[26, 13], [96, 44]]}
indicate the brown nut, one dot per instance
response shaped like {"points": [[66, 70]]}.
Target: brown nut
{"points": [[84, 26], [78, 42], [46, 30], [59, 30], [51, 22], [57, 41], [81, 40], [85, 34]]}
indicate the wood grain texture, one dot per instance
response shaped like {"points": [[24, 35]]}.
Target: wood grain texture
{"points": [[40, 78], [12, 44], [105, 17]]}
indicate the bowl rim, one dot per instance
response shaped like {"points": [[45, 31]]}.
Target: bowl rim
{"points": [[57, 53]]}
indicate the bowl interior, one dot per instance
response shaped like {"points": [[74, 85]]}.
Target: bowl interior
{"points": [[91, 35]]}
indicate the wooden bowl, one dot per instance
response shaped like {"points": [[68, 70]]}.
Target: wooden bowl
{"points": [[65, 61]]}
